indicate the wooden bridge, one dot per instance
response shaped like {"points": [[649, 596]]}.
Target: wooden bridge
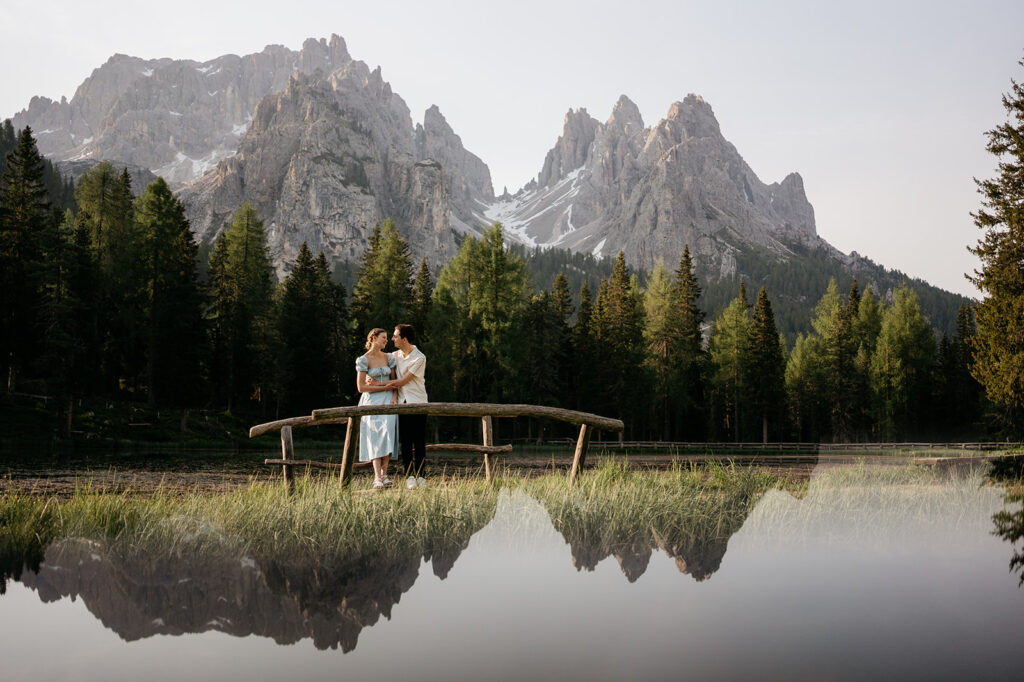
{"points": [[485, 411]]}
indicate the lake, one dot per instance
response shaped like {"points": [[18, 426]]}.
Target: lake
{"points": [[865, 573]]}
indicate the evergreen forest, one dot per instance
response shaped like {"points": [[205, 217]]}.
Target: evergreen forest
{"points": [[107, 296]]}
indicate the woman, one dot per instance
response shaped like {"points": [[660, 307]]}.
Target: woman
{"points": [[378, 434]]}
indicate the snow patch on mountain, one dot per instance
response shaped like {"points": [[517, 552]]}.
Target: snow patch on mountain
{"points": [[539, 217]]}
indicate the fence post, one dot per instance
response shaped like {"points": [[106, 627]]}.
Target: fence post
{"points": [[582, 443], [348, 452], [488, 428], [287, 452]]}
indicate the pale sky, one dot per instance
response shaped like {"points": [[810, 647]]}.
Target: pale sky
{"points": [[880, 106]]}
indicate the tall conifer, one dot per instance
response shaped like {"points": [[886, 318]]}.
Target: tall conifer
{"points": [[176, 332], [24, 211], [688, 357], [999, 344], [767, 367]]}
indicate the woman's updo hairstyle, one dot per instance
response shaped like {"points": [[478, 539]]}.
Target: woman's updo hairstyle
{"points": [[372, 334]]}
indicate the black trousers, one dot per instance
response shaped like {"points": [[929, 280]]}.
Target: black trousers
{"points": [[412, 433]]}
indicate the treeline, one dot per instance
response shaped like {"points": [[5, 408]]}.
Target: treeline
{"points": [[106, 300]]}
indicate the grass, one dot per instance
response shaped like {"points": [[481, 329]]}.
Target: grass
{"points": [[689, 512]]}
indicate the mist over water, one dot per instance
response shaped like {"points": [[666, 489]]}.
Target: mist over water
{"points": [[867, 574]]}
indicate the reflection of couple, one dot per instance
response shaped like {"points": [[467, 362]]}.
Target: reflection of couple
{"points": [[392, 378]]}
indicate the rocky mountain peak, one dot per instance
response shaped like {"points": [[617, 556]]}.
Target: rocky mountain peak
{"points": [[649, 192], [626, 116], [177, 118], [571, 149], [469, 178], [434, 122], [696, 117]]}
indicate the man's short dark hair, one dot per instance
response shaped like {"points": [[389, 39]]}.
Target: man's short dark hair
{"points": [[407, 332]]}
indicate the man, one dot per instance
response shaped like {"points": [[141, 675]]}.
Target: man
{"points": [[412, 388]]}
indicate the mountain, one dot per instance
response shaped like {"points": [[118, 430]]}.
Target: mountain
{"points": [[177, 118], [332, 155], [606, 187], [324, 149]]}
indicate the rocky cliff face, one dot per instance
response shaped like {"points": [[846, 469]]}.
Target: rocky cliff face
{"points": [[324, 150], [177, 118], [331, 156], [648, 191]]}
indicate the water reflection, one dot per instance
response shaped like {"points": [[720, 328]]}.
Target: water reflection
{"points": [[138, 595], [330, 600], [142, 594], [695, 534], [1009, 525], [1009, 522]]}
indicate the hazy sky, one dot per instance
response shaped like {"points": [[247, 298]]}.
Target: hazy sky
{"points": [[880, 106]]}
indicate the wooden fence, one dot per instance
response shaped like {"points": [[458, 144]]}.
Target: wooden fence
{"points": [[485, 411]]}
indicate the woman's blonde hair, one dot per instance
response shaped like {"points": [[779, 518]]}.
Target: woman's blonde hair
{"points": [[373, 333]]}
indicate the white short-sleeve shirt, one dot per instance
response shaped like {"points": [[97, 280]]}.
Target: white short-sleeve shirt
{"points": [[416, 364]]}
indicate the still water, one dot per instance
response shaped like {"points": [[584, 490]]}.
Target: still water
{"points": [[859, 578]]}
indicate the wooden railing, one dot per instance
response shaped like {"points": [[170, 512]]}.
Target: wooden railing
{"points": [[485, 411]]}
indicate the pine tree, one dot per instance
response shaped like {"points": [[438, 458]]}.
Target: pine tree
{"points": [[584, 361], [766, 368], [689, 381], [999, 344], [538, 358], [868, 322], [457, 337], [106, 213], [305, 337], [70, 347], [500, 296], [619, 323], [805, 380], [422, 294], [660, 331], [382, 296], [561, 352], [241, 287], [901, 367], [833, 321], [24, 211], [729, 349], [961, 400], [176, 331], [337, 364]]}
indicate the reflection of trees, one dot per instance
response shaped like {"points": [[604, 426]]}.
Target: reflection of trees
{"points": [[328, 597], [13, 564], [691, 526], [1009, 525]]}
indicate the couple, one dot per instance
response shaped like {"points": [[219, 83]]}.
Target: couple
{"points": [[392, 378]]}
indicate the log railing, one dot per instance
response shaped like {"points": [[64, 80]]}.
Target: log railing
{"points": [[485, 411]]}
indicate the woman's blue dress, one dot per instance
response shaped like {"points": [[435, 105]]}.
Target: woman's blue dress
{"points": [[378, 434]]}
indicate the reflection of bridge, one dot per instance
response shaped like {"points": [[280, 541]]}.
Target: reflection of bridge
{"points": [[485, 411]]}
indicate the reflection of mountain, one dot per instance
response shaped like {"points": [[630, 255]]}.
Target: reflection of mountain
{"points": [[698, 555], [695, 534], [330, 601]]}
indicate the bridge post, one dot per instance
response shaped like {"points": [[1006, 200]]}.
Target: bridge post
{"points": [[582, 443], [348, 453], [488, 428], [287, 452]]}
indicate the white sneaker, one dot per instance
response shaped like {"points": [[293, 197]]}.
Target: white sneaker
{"points": [[420, 483], [410, 482], [387, 482], [378, 484]]}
